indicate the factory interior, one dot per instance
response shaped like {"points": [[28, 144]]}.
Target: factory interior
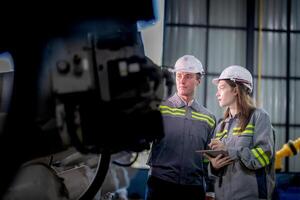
{"points": [[79, 88]]}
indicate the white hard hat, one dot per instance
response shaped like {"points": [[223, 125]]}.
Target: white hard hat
{"points": [[188, 63], [238, 74]]}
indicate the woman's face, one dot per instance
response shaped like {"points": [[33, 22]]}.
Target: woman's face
{"points": [[226, 94]]}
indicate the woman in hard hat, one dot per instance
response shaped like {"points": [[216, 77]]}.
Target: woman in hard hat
{"points": [[245, 133]]}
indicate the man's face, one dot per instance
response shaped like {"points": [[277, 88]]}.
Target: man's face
{"points": [[186, 83]]}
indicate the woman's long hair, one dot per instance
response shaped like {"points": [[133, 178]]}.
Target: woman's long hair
{"points": [[245, 105]]}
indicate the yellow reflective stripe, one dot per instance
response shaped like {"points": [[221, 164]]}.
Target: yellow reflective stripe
{"points": [[203, 119], [171, 109], [250, 126], [246, 132], [205, 160], [212, 121], [220, 134], [172, 113], [260, 160], [263, 154], [224, 131]]}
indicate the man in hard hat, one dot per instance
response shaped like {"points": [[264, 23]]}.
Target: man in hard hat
{"points": [[176, 170]]}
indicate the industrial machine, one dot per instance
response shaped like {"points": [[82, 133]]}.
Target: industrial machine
{"points": [[289, 149], [81, 80], [287, 183]]}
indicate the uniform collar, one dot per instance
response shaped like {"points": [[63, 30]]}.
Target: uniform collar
{"points": [[236, 116], [179, 103]]}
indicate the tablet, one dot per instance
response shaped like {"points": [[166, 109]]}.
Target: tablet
{"points": [[213, 153]]}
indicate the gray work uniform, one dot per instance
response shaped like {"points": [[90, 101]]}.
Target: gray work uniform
{"points": [[187, 129], [251, 175]]}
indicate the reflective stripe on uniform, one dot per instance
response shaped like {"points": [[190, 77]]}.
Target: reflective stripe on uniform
{"points": [[261, 156], [203, 117], [249, 127], [249, 130], [172, 111], [221, 134]]}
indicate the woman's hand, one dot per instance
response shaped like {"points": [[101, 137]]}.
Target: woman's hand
{"points": [[219, 161], [216, 144]]}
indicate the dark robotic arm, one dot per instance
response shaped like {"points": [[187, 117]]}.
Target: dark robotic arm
{"points": [[76, 74]]}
